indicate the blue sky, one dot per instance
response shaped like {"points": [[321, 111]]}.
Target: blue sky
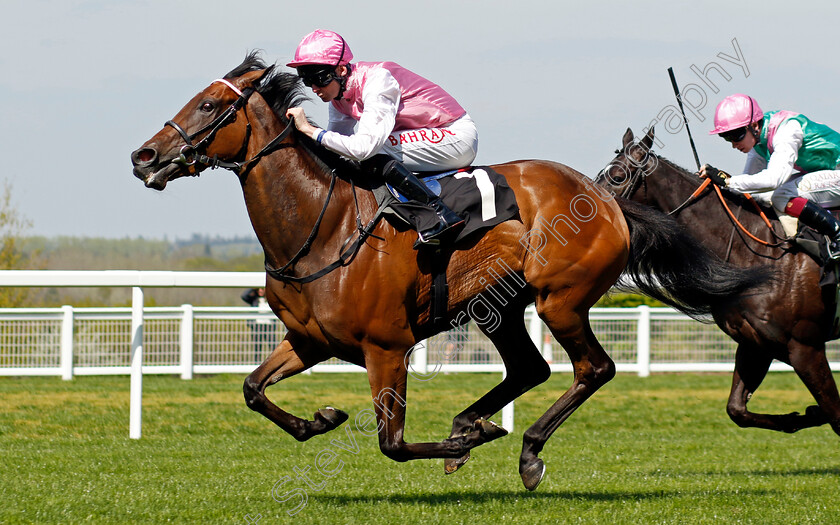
{"points": [[86, 82]]}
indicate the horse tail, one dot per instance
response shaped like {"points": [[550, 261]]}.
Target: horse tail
{"points": [[670, 265]]}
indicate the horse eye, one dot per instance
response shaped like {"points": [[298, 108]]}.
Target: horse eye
{"points": [[207, 107], [616, 174]]}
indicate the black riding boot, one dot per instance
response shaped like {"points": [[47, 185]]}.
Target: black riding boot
{"points": [[404, 180], [823, 222]]}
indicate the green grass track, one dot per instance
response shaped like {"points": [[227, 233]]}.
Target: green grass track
{"points": [[643, 450]]}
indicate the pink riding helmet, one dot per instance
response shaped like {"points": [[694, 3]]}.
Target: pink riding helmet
{"points": [[322, 47], [736, 111]]}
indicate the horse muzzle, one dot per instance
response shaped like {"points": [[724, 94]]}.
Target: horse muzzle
{"points": [[148, 168]]}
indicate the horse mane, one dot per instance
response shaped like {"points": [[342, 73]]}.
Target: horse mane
{"points": [[682, 171], [281, 91]]}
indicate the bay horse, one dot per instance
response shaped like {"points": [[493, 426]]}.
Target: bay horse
{"points": [[569, 244], [787, 319]]}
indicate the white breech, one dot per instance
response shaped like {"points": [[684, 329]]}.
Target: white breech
{"points": [[435, 149]]}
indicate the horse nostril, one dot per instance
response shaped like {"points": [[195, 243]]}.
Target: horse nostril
{"points": [[143, 156]]}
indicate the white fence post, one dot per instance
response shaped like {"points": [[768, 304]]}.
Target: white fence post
{"points": [[186, 341], [67, 342], [535, 330], [643, 341], [420, 357], [135, 420], [507, 411]]}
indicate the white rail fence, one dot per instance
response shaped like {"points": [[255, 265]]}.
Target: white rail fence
{"points": [[189, 340]]}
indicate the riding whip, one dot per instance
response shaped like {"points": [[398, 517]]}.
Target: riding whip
{"points": [[679, 101]]}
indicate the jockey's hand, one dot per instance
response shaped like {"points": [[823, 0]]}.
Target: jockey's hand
{"points": [[301, 123], [719, 177]]}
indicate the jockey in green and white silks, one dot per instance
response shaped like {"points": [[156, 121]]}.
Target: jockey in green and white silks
{"points": [[791, 143], [792, 163]]}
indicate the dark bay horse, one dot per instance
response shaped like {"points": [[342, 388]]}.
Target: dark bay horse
{"points": [[786, 320], [569, 244]]}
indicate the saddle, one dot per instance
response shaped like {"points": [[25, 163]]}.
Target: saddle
{"points": [[478, 194], [816, 245]]}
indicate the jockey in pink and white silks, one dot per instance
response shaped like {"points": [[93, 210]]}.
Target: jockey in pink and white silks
{"points": [[387, 117], [793, 163]]}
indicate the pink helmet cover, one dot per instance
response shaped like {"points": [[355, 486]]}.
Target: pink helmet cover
{"points": [[736, 111], [322, 46]]}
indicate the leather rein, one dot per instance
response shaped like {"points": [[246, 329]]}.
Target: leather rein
{"points": [[195, 155]]}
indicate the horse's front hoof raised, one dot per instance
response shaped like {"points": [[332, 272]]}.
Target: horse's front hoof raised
{"points": [[533, 474], [450, 465]]}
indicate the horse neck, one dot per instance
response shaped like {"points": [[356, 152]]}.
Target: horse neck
{"points": [[668, 186], [285, 193]]}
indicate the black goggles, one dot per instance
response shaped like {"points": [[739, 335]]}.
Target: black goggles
{"points": [[320, 77], [734, 135]]}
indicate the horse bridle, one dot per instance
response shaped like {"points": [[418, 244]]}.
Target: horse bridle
{"points": [[195, 154], [640, 179], [634, 177], [634, 184]]}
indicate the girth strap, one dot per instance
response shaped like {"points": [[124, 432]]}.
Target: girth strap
{"points": [[439, 300]]}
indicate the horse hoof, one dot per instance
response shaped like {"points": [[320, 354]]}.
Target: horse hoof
{"points": [[450, 465], [489, 430], [533, 474], [332, 417], [815, 412]]}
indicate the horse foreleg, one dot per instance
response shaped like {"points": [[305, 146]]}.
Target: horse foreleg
{"points": [[592, 368], [526, 369], [751, 366], [285, 362]]}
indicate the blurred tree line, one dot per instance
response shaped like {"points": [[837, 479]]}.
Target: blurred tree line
{"points": [[21, 252], [12, 226], [70, 253], [627, 300], [73, 253]]}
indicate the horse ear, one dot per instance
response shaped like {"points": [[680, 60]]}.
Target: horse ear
{"points": [[647, 142], [628, 138], [253, 78], [266, 73]]}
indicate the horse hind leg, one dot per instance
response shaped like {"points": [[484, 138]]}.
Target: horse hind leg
{"points": [[284, 362], [811, 365], [751, 366], [592, 369], [526, 369]]}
